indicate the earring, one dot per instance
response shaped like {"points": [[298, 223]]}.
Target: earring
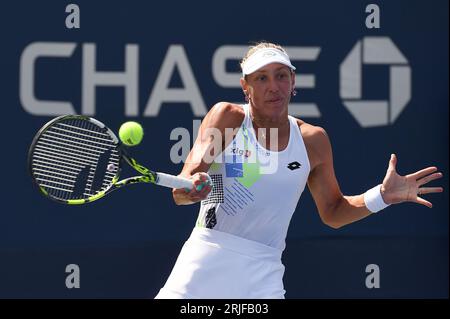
{"points": [[294, 92], [246, 97]]}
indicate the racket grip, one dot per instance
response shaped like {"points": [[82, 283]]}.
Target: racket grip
{"points": [[173, 181]]}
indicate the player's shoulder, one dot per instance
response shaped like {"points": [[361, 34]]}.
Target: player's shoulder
{"points": [[229, 109], [312, 133], [316, 142], [226, 114]]}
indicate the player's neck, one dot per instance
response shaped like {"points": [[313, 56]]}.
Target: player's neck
{"points": [[263, 128], [280, 122]]}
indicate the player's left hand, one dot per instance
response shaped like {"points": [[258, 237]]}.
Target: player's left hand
{"points": [[397, 189]]}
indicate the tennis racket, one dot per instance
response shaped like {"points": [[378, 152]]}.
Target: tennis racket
{"points": [[76, 159]]}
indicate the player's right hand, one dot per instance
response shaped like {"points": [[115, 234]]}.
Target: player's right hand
{"points": [[200, 190]]}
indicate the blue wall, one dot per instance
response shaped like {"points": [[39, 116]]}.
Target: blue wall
{"points": [[127, 243]]}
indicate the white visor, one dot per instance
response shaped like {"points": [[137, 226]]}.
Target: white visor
{"points": [[263, 57]]}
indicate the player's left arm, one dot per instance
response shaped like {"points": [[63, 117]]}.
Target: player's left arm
{"points": [[336, 209]]}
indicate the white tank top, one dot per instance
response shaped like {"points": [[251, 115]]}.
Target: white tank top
{"points": [[256, 190]]}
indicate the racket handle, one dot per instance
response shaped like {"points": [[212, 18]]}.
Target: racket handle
{"points": [[172, 181]]}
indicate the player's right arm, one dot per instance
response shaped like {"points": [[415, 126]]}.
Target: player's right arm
{"points": [[216, 131]]}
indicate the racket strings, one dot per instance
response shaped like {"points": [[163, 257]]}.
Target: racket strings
{"points": [[75, 159]]}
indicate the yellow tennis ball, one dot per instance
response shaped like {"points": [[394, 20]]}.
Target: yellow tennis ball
{"points": [[131, 133]]}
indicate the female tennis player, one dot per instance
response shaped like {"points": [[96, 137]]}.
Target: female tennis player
{"points": [[269, 157]]}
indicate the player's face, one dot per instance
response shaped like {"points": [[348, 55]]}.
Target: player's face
{"points": [[270, 88]]}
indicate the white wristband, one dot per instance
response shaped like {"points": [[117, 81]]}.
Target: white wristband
{"points": [[373, 199]]}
